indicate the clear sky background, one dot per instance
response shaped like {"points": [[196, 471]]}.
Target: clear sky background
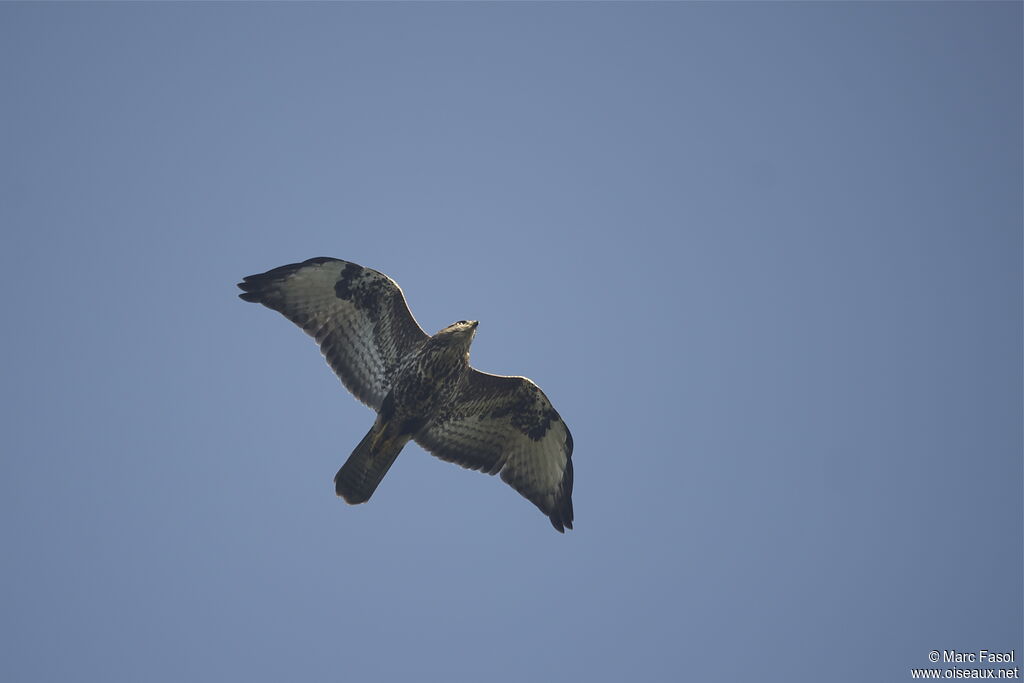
{"points": [[764, 259]]}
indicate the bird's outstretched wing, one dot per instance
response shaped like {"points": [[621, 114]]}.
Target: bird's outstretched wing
{"points": [[358, 316], [507, 424]]}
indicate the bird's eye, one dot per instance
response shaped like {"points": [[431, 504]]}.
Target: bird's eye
{"points": [[461, 322]]}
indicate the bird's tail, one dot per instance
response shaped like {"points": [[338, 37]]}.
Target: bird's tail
{"points": [[359, 477]]}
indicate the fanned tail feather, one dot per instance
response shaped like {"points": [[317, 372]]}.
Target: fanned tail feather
{"points": [[359, 477]]}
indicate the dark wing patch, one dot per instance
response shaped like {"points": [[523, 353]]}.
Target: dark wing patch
{"points": [[507, 424], [358, 316]]}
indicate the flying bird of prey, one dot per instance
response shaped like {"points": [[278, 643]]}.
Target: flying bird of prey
{"points": [[421, 386]]}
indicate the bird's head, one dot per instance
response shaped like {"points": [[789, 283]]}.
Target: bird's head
{"points": [[464, 329], [457, 335]]}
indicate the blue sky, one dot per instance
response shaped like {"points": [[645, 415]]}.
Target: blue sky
{"points": [[765, 259]]}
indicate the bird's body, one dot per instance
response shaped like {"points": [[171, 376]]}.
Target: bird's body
{"points": [[431, 375], [426, 381], [422, 387]]}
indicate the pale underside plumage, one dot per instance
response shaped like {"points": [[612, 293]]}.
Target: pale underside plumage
{"points": [[361, 321]]}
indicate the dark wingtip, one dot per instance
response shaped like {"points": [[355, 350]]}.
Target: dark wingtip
{"points": [[252, 284], [562, 515]]}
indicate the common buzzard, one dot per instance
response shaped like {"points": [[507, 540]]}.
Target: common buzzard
{"points": [[421, 386]]}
